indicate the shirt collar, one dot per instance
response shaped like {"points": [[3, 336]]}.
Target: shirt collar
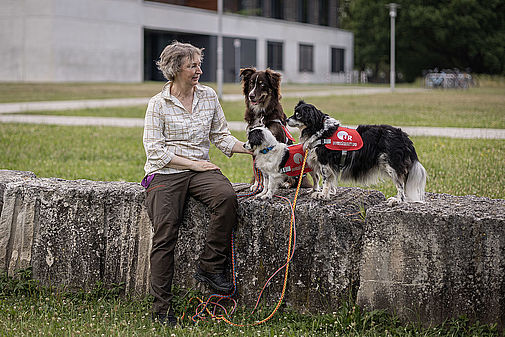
{"points": [[165, 92]]}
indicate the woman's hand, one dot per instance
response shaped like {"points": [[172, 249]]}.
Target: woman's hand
{"points": [[239, 148], [201, 166], [181, 163]]}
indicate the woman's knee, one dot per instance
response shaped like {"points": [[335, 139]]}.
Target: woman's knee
{"points": [[225, 197]]}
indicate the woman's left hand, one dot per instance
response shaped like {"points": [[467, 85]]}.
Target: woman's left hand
{"points": [[239, 148]]}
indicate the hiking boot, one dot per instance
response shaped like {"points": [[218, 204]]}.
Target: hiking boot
{"points": [[164, 319], [217, 281]]}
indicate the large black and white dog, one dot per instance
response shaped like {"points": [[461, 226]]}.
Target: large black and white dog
{"points": [[386, 151]]}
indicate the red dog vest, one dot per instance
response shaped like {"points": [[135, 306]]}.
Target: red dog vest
{"points": [[293, 166], [344, 139]]}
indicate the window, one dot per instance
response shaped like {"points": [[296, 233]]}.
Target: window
{"points": [[303, 11], [274, 55], [337, 60], [306, 57], [323, 13], [277, 7]]}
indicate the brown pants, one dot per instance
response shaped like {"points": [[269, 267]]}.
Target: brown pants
{"points": [[165, 200]]}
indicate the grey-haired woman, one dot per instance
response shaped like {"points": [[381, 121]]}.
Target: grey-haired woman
{"points": [[180, 123]]}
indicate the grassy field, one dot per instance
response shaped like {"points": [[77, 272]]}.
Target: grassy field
{"points": [[26, 92], [455, 166]]}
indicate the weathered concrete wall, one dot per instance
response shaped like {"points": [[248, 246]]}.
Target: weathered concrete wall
{"points": [[76, 233], [430, 261], [440, 259], [7, 176]]}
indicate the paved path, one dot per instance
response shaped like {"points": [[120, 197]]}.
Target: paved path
{"points": [[11, 113], [239, 126]]}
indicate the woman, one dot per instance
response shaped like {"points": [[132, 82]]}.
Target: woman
{"points": [[180, 123]]}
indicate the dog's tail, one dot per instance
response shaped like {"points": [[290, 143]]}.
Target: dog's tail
{"points": [[416, 182]]}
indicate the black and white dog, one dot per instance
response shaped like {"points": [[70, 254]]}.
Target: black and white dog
{"points": [[271, 155], [386, 151]]}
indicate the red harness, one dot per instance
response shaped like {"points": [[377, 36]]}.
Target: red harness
{"points": [[293, 166], [288, 134], [344, 139]]}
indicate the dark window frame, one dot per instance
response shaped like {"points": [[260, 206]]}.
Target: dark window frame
{"points": [[305, 58], [275, 55], [337, 60]]}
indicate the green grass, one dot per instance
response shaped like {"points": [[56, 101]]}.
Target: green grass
{"points": [[455, 166], [27, 92], [27, 309]]}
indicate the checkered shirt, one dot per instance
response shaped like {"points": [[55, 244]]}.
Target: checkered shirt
{"points": [[171, 130]]}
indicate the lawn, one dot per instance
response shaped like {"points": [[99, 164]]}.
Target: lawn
{"points": [[455, 166], [29, 310], [26, 92]]}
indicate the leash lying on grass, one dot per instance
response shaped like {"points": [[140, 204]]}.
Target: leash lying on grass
{"points": [[215, 299]]}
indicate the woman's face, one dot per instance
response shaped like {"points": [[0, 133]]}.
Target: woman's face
{"points": [[190, 71]]}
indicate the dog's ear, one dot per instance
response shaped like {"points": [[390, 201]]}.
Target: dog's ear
{"points": [[300, 103], [245, 76], [245, 73], [275, 80]]}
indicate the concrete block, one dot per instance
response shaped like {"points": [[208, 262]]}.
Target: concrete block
{"points": [[433, 261]]}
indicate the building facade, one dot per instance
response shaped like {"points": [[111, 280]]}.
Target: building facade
{"points": [[120, 40]]}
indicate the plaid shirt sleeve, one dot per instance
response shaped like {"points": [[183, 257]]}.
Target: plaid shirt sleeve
{"points": [[154, 141], [220, 135]]}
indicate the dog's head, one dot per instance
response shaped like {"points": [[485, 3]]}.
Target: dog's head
{"points": [[260, 87], [258, 138], [307, 116]]}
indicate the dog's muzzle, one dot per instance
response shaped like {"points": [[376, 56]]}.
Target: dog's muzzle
{"points": [[292, 122]]}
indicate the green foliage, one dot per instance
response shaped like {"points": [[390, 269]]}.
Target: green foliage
{"points": [[445, 34], [21, 284]]}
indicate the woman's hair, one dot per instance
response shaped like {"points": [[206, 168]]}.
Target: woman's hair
{"points": [[173, 56]]}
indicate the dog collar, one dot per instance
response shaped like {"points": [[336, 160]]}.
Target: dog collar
{"points": [[267, 149]]}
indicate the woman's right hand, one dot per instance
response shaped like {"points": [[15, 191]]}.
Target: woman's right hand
{"points": [[201, 166], [181, 163]]}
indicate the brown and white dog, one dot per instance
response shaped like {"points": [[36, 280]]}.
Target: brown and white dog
{"points": [[262, 100], [262, 96]]}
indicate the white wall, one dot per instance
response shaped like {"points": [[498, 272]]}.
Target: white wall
{"points": [[71, 40], [102, 40]]}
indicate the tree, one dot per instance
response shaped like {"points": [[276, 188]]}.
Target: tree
{"points": [[429, 33]]}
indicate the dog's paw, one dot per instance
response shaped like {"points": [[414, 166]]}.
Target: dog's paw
{"points": [[254, 186], [286, 184], [393, 201], [319, 196], [266, 196]]}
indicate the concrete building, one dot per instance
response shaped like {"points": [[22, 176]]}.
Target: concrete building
{"points": [[119, 40]]}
